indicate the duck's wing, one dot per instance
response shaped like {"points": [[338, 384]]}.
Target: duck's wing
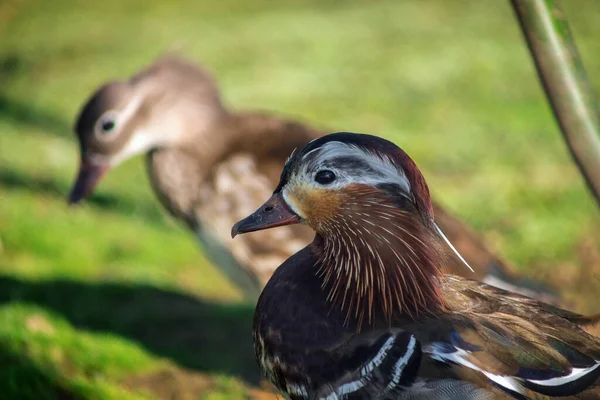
{"points": [[514, 344]]}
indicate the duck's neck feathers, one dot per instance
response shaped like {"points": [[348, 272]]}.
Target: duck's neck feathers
{"points": [[377, 260]]}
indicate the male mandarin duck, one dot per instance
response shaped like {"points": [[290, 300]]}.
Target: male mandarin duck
{"points": [[364, 311], [209, 166]]}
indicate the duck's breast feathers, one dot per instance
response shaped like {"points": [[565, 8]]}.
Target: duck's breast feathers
{"points": [[376, 369], [309, 357], [376, 366]]}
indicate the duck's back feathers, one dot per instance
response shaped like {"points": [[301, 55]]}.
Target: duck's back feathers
{"points": [[520, 345], [174, 72]]}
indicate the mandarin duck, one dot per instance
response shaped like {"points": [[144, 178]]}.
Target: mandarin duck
{"points": [[209, 166], [364, 311]]}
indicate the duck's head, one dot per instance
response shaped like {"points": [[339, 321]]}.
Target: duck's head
{"points": [[371, 209], [337, 175], [163, 105]]}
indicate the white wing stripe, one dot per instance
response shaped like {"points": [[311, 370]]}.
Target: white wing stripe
{"points": [[375, 362], [401, 363], [353, 386], [378, 359], [437, 352], [458, 357], [575, 374], [349, 387]]}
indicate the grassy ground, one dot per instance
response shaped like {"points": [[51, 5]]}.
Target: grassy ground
{"points": [[113, 300]]}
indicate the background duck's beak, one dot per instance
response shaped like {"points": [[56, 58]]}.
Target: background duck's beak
{"points": [[275, 212], [87, 178]]}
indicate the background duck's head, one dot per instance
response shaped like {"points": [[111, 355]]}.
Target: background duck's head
{"points": [[371, 209], [163, 105]]}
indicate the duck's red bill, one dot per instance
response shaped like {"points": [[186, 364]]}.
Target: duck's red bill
{"points": [[88, 177], [275, 212]]}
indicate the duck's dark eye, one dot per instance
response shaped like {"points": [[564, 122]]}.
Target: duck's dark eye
{"points": [[108, 125], [325, 177]]}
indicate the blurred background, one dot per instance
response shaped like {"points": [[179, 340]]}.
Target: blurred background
{"points": [[113, 299]]}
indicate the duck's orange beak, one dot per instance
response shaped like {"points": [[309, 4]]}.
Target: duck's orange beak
{"points": [[275, 212], [87, 178]]}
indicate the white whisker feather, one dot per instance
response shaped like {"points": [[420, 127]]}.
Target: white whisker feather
{"points": [[452, 247]]}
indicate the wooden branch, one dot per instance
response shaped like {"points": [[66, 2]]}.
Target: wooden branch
{"points": [[561, 71]]}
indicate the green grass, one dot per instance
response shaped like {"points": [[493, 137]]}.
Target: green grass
{"points": [[113, 300]]}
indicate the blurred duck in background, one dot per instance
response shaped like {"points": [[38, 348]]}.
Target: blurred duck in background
{"points": [[210, 166]]}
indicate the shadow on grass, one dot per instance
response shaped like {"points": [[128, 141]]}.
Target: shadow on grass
{"points": [[22, 380], [21, 113], [11, 179], [205, 336]]}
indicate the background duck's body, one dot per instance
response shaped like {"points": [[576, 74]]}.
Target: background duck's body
{"points": [[210, 166], [210, 194]]}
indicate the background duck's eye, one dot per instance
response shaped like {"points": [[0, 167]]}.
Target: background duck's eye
{"points": [[325, 177], [108, 125]]}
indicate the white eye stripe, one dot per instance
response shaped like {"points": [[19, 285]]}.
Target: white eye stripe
{"points": [[380, 168], [313, 150], [118, 118], [287, 160]]}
